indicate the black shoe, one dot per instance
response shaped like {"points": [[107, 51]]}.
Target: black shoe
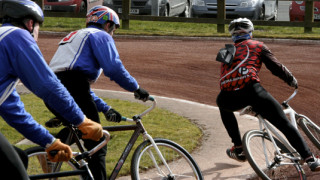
{"points": [[236, 154]]}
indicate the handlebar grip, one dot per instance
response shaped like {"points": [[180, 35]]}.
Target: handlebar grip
{"points": [[53, 153], [151, 98], [123, 118]]}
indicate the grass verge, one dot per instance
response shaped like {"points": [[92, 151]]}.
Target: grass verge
{"points": [[159, 28]]}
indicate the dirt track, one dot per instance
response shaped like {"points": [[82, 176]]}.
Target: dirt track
{"points": [[186, 69]]}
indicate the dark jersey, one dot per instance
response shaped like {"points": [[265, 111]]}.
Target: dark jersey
{"points": [[246, 65]]}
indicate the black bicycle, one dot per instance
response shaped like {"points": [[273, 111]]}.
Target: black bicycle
{"points": [[152, 159]]}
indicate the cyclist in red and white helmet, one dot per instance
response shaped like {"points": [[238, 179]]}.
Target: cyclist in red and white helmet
{"points": [[20, 58], [80, 59], [240, 86]]}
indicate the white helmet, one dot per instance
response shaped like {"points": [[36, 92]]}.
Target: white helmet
{"points": [[240, 25]]}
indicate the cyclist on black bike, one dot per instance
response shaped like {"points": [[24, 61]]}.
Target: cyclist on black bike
{"points": [[240, 86], [80, 59], [20, 58]]}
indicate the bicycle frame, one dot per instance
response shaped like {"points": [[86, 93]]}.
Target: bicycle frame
{"points": [[265, 126], [138, 129], [270, 130]]}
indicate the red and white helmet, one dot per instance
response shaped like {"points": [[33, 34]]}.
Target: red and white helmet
{"points": [[240, 25], [102, 14]]}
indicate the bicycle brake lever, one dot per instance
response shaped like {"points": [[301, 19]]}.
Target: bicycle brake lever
{"points": [[84, 155]]}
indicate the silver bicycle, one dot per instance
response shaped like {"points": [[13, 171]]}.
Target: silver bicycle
{"points": [[268, 151]]}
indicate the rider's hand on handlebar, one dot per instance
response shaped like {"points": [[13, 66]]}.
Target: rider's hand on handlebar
{"points": [[90, 130], [294, 83], [112, 115], [64, 152], [141, 94]]}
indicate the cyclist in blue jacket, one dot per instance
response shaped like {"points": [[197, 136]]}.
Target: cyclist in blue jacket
{"points": [[80, 59], [20, 58]]}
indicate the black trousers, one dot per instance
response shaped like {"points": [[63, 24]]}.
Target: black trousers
{"points": [[13, 161], [263, 103], [79, 88]]}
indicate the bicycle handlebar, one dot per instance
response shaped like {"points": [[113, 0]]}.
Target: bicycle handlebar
{"points": [[102, 144], [150, 98], [92, 151], [285, 103]]}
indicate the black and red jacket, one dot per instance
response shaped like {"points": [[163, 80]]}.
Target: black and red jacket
{"points": [[246, 65]]}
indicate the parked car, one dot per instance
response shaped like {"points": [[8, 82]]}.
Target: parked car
{"points": [[144, 7], [252, 9], [65, 5], [297, 11]]}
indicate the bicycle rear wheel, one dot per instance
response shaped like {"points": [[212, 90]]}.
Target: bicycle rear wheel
{"points": [[181, 164], [311, 130], [260, 153], [39, 164]]}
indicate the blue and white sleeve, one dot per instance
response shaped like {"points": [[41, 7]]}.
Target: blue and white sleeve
{"points": [[109, 60], [13, 112], [101, 105]]}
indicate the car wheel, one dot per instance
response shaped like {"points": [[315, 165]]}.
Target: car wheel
{"points": [[275, 17], [83, 7], [260, 15], [166, 11], [187, 11]]}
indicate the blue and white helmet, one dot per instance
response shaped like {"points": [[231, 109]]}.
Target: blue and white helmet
{"points": [[240, 25], [102, 14], [19, 9]]}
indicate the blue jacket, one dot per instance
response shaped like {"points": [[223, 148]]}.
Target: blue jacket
{"points": [[20, 58], [90, 51]]}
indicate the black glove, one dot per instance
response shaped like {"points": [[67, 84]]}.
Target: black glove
{"points": [[112, 115], [141, 94], [294, 83]]}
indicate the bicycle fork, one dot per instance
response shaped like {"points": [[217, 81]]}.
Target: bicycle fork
{"points": [[279, 156], [147, 136]]}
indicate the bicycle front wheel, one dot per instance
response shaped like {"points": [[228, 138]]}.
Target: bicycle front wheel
{"points": [[38, 163], [262, 156], [146, 164], [311, 130]]}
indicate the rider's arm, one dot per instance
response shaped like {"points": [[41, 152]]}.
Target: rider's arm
{"points": [[275, 66], [101, 105], [108, 57], [13, 112]]}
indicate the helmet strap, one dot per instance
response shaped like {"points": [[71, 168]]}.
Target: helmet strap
{"points": [[22, 23], [111, 27], [237, 37]]}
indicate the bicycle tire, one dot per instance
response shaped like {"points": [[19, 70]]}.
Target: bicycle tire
{"points": [[311, 130], [253, 142], [179, 160], [38, 163]]}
